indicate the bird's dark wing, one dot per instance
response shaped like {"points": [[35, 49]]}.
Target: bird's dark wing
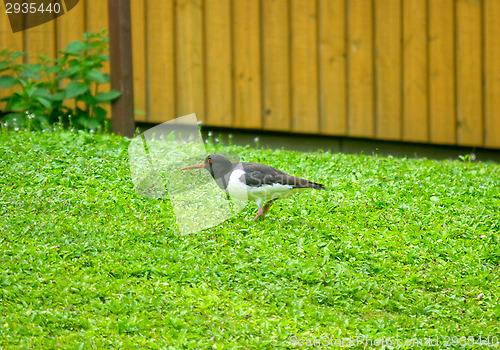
{"points": [[258, 174]]}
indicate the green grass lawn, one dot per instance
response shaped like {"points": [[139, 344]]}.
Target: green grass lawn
{"points": [[400, 248]]}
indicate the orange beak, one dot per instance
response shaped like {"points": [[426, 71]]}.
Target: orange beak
{"points": [[197, 166]]}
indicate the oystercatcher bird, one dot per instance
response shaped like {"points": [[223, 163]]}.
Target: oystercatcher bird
{"points": [[251, 181]]}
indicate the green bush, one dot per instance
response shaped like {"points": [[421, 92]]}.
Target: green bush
{"points": [[42, 88]]}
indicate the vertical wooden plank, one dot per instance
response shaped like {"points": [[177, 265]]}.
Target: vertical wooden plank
{"points": [[332, 67], [360, 68], [40, 40], [415, 87], [276, 65], [492, 72], [70, 27], [388, 69], [189, 50], [120, 54], [469, 84], [219, 98], [305, 117], [442, 72], [138, 13], [246, 61], [96, 19], [96, 15], [11, 41], [160, 65]]}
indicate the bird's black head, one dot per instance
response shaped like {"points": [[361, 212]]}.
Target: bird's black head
{"points": [[217, 165]]}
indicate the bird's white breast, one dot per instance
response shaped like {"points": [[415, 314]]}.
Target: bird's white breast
{"points": [[236, 188]]}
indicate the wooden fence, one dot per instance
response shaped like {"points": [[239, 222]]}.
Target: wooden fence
{"points": [[413, 70]]}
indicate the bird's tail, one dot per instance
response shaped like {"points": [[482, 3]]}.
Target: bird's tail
{"points": [[297, 182], [303, 183], [317, 186]]}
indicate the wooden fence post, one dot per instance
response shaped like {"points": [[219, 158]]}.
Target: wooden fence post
{"points": [[120, 53]]}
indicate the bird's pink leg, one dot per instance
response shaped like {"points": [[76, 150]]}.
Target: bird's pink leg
{"points": [[263, 211], [259, 213]]}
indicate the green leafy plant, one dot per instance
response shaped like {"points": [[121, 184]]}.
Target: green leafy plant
{"points": [[32, 101], [65, 88]]}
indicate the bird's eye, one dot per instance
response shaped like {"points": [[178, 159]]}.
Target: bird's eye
{"points": [[210, 160]]}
